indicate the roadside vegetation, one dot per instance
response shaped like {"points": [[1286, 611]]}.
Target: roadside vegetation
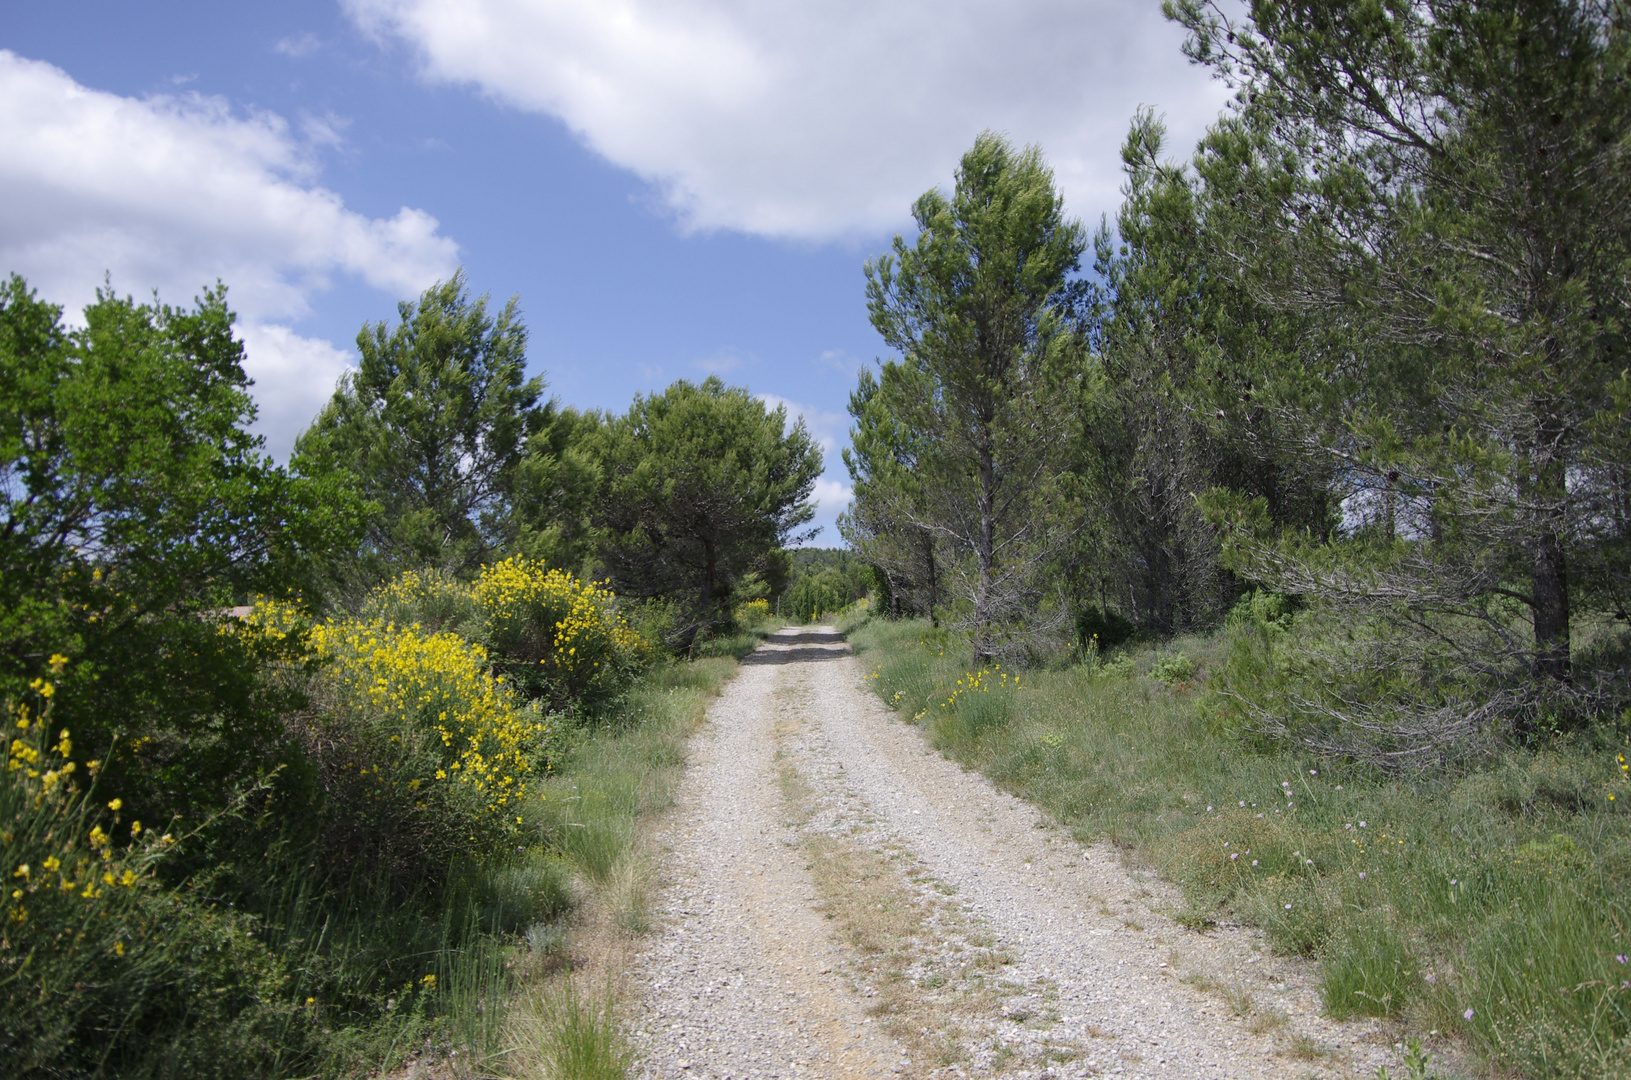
{"points": [[322, 770], [1288, 546], [1492, 903]]}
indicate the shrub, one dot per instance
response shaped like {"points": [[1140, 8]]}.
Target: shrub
{"points": [[753, 613], [102, 970], [1172, 667], [422, 753], [432, 600], [560, 639], [1098, 630]]}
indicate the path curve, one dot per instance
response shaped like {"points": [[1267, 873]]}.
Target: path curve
{"points": [[1066, 966]]}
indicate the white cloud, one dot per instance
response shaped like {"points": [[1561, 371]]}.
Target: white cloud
{"points": [[828, 429], [173, 192], [298, 46], [831, 497], [725, 361], [816, 119], [294, 377]]}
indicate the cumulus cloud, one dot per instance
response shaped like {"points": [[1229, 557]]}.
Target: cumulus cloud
{"points": [[174, 192], [831, 498], [830, 431], [294, 377], [816, 119]]}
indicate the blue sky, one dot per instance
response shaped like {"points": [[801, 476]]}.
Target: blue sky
{"points": [[673, 187]]}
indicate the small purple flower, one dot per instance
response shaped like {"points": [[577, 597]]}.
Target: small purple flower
{"points": [[1254, 862], [1235, 856], [1361, 875], [1467, 1014], [1622, 958]]}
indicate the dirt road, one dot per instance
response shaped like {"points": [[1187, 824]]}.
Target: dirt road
{"points": [[840, 901]]}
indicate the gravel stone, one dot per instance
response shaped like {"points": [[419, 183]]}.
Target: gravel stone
{"points": [[743, 976]]}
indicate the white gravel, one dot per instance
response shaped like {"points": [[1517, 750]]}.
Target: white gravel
{"points": [[744, 978]]}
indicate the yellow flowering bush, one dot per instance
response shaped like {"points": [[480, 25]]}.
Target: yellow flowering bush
{"points": [[753, 613], [561, 639], [423, 753], [80, 918], [434, 600]]}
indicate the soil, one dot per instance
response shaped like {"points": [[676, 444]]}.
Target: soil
{"points": [[839, 900]]}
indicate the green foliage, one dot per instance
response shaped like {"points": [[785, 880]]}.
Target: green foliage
{"points": [[431, 428], [136, 504], [1172, 667], [422, 755], [700, 483], [1501, 891], [970, 423], [560, 640], [1455, 385], [1098, 630], [812, 596]]}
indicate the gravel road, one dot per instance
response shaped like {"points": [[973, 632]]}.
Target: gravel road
{"points": [[1017, 951]]}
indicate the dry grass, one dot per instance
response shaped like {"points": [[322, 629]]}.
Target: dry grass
{"points": [[924, 966]]}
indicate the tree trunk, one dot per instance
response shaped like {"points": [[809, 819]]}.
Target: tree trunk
{"points": [[986, 556], [710, 568], [1550, 593], [1549, 588], [934, 580]]}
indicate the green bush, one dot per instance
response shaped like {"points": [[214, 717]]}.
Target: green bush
{"points": [[1172, 667], [561, 640], [103, 970]]}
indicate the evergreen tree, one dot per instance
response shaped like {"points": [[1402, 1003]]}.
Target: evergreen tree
{"points": [[988, 385], [432, 426], [1438, 190], [699, 484]]}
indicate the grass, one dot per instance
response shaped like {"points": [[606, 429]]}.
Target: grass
{"points": [[1495, 904], [590, 826]]}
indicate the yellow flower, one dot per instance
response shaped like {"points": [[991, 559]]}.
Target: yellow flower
{"points": [[58, 662], [116, 804], [119, 948]]}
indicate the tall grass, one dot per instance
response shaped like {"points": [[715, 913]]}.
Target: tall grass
{"points": [[1494, 903]]}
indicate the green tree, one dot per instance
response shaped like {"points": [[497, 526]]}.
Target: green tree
{"points": [[1440, 189], [698, 483], [135, 502], [880, 523], [1179, 339], [989, 384], [433, 425], [554, 489]]}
